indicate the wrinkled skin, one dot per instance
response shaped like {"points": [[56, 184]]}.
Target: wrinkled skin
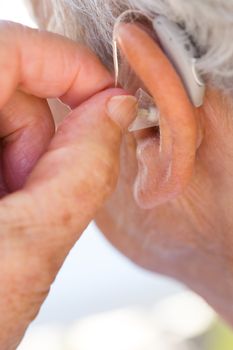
{"points": [[178, 221]]}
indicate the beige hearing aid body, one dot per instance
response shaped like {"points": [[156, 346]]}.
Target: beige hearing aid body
{"points": [[183, 55]]}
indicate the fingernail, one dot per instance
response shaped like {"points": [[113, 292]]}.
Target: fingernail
{"points": [[122, 110]]}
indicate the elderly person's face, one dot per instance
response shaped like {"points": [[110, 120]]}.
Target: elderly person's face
{"points": [[173, 206]]}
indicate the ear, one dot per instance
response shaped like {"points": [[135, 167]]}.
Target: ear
{"points": [[165, 162]]}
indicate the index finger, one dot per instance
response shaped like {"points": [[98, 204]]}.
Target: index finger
{"points": [[48, 65]]}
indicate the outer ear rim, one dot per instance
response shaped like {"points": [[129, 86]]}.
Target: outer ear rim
{"points": [[179, 128]]}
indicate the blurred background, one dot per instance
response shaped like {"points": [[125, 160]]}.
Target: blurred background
{"points": [[102, 301]]}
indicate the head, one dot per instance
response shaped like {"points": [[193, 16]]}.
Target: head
{"points": [[156, 224]]}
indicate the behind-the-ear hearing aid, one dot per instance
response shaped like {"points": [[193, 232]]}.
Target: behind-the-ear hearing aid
{"points": [[181, 52]]}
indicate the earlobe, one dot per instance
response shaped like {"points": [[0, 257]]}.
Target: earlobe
{"points": [[165, 162]]}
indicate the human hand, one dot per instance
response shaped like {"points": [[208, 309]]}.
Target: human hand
{"points": [[173, 211], [52, 184]]}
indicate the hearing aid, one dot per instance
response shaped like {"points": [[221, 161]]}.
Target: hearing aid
{"points": [[183, 55]]}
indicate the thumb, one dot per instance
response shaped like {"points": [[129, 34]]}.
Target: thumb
{"points": [[73, 178]]}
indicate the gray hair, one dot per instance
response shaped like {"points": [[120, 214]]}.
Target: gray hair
{"points": [[208, 22]]}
